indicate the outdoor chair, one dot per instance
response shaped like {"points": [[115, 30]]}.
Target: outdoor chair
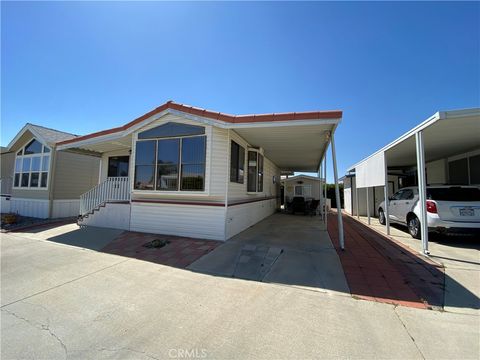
{"points": [[298, 205], [312, 208]]}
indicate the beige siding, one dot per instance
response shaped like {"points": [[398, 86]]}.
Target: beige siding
{"points": [[237, 192], [215, 167], [30, 194], [74, 174], [7, 161], [291, 183]]}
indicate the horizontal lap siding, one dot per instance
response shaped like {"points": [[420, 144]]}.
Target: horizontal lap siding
{"points": [[240, 217], [239, 191], [203, 222], [74, 174], [115, 216]]}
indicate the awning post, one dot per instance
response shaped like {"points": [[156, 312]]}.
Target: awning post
{"points": [[368, 207], [356, 200], [325, 214], [387, 200], [337, 196], [320, 171], [422, 190]]}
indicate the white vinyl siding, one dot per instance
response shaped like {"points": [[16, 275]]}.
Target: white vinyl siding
{"points": [[30, 207], [203, 222], [240, 217]]}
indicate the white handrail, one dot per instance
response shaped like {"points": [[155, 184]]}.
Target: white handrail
{"points": [[112, 189]]}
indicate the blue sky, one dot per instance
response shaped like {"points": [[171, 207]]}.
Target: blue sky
{"points": [[86, 66]]}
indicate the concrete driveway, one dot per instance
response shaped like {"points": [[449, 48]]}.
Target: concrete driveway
{"points": [[284, 249], [61, 301]]}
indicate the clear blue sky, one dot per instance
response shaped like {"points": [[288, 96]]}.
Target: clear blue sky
{"points": [[86, 66]]}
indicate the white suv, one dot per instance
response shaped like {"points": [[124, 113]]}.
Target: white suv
{"points": [[450, 209]]}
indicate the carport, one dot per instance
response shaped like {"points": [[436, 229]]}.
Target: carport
{"points": [[444, 149]]}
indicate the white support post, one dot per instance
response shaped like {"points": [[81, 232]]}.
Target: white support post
{"points": [[337, 196], [422, 190], [320, 171], [368, 206], [356, 200], [387, 200], [325, 213]]}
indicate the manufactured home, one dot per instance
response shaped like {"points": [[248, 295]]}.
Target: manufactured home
{"points": [[39, 181], [192, 172]]}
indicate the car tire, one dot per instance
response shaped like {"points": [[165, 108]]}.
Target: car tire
{"points": [[381, 217], [413, 225]]}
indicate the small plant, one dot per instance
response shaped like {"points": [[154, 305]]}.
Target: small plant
{"points": [[157, 243], [10, 218]]}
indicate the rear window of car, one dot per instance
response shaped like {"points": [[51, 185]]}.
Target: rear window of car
{"points": [[453, 194]]}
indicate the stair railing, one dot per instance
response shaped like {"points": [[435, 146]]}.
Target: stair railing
{"points": [[112, 189]]}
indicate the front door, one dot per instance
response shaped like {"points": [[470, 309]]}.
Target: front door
{"points": [[118, 166]]}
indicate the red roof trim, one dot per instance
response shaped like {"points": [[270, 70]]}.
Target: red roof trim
{"points": [[234, 119]]}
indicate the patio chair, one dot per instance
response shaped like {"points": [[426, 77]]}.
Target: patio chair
{"points": [[312, 208], [298, 205]]}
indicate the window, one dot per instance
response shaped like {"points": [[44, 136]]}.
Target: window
{"points": [[118, 166], [237, 163], [303, 190], [255, 172], [407, 194], [31, 166], [170, 164], [397, 195]]}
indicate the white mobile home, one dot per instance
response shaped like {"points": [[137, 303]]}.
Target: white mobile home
{"points": [[187, 171]]}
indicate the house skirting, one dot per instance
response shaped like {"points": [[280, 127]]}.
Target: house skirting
{"points": [[38, 208], [196, 220]]}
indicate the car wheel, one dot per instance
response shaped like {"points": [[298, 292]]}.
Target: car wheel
{"points": [[381, 217], [414, 227]]}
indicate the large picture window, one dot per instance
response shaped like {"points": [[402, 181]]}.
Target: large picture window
{"points": [[255, 172], [237, 163], [171, 163], [31, 166]]}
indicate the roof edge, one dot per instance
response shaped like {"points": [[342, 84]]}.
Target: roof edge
{"points": [[217, 116]]}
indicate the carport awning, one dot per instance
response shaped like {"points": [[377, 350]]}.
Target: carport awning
{"points": [[445, 134], [291, 148]]}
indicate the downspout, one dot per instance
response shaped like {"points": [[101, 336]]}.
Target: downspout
{"points": [[51, 180]]}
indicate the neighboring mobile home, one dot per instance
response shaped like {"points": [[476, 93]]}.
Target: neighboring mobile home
{"points": [[187, 171], [40, 181]]}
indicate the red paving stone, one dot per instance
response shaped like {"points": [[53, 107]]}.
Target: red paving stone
{"points": [[180, 252], [379, 268]]}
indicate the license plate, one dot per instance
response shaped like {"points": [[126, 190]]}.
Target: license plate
{"points": [[467, 212]]}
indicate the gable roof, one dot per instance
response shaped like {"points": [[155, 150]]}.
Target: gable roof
{"points": [[301, 176], [43, 134], [216, 116]]}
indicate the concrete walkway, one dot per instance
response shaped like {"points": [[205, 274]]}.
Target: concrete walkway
{"points": [[292, 250], [460, 258], [65, 302]]}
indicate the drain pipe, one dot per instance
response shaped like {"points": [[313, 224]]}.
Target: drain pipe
{"points": [[51, 179]]}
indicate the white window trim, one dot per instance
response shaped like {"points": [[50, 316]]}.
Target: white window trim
{"points": [[206, 189], [258, 151], [41, 155]]}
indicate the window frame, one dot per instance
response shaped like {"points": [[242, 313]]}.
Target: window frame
{"points": [[239, 162], [46, 152], [257, 172], [163, 191]]}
